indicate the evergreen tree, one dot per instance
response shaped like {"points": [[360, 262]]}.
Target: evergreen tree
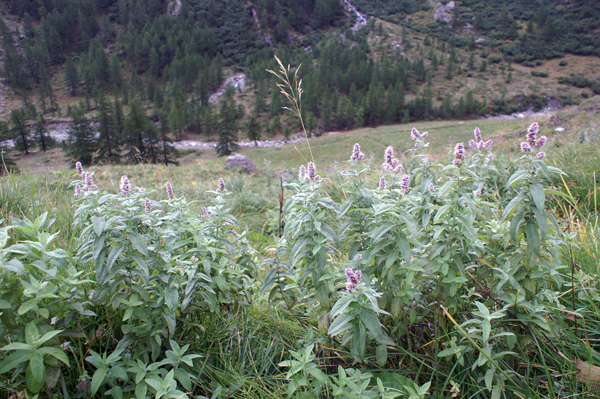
{"points": [[228, 128], [71, 76], [168, 153], [82, 142], [20, 132], [44, 141], [108, 146], [136, 128], [253, 129]]}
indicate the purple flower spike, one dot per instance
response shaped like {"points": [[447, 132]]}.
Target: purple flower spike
{"points": [[125, 185], [404, 183], [532, 132], [222, 188], [357, 154], [459, 154], [477, 134], [414, 134], [541, 142], [301, 172], [311, 172]]}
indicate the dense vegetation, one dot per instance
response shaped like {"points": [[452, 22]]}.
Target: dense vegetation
{"points": [[410, 278]]}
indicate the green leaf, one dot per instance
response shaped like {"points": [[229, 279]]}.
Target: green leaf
{"points": [[32, 333], [538, 195], [533, 237], [13, 361], [515, 223], [57, 353], [341, 305], [18, 346], [381, 355], [340, 324], [98, 379], [369, 318], [172, 298], [49, 335], [138, 242], [489, 378], [36, 373], [512, 204], [98, 222]]}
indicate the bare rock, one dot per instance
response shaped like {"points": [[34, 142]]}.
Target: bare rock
{"points": [[240, 161]]}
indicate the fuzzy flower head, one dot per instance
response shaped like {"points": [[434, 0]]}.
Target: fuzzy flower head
{"points": [[353, 277], [88, 179], [125, 185], [391, 163], [477, 134], [77, 191], [382, 183], [404, 184], [479, 143], [79, 168], [415, 135], [147, 205], [311, 173], [221, 188], [540, 142], [357, 154], [525, 147], [532, 132], [302, 172], [170, 193], [459, 154]]}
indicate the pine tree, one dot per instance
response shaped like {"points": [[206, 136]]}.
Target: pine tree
{"points": [[168, 153], [108, 146], [228, 128], [20, 132], [71, 76], [82, 141], [253, 129], [136, 126], [44, 141]]}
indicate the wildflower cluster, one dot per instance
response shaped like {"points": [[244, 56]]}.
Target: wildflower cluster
{"points": [[309, 173], [459, 154], [415, 135], [221, 188], [357, 154], [125, 185], [533, 141], [404, 184], [479, 143], [391, 163], [353, 278]]}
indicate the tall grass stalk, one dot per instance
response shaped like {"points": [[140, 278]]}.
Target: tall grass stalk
{"points": [[292, 90]]}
